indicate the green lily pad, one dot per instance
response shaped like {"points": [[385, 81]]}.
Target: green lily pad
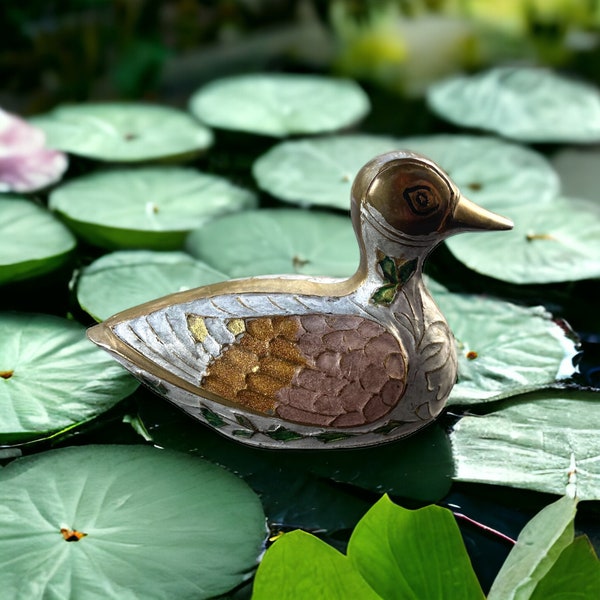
{"points": [[578, 171], [153, 207], [503, 349], [317, 171], [280, 104], [126, 278], [559, 241], [125, 522], [52, 377], [528, 104], [277, 241], [123, 132], [532, 442], [33, 241]]}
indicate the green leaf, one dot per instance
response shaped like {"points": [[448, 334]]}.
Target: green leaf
{"points": [[123, 279], [503, 349], [389, 270], [557, 242], [385, 294], [123, 132], [577, 168], [529, 104], [158, 524], [538, 547], [413, 554], [532, 442], [52, 377], [406, 270], [277, 241], [575, 574], [153, 207], [317, 171], [280, 104], [299, 566], [33, 241]]}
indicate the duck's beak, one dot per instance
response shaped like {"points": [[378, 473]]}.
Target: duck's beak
{"points": [[468, 216]]}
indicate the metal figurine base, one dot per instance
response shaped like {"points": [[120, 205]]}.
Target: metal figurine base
{"points": [[297, 362]]}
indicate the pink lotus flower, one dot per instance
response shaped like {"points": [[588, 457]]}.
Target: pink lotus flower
{"points": [[26, 164]]}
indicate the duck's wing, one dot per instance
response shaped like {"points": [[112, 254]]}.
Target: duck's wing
{"points": [[303, 359]]}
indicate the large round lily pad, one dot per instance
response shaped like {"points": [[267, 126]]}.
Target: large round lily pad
{"points": [[528, 104], [52, 377], [280, 104], [33, 241], [577, 168], [558, 241], [123, 132], [125, 522], [278, 241], [503, 349], [126, 278], [153, 207]]}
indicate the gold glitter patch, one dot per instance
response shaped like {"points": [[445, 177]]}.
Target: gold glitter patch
{"points": [[197, 327], [236, 326]]}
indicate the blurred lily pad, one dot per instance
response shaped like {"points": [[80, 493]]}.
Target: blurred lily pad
{"points": [[33, 241], [532, 442], [558, 241], [522, 103], [578, 171], [277, 241], [126, 278], [503, 349], [123, 132], [152, 207], [52, 377], [280, 104], [317, 171], [124, 522]]}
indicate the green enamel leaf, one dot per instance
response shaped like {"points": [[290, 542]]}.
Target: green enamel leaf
{"points": [[503, 349], [277, 241], [33, 241], [123, 279], [549, 243], [52, 377], [299, 566], [389, 270], [413, 554], [532, 442], [317, 171], [538, 547], [576, 573], [123, 132], [280, 104], [406, 270], [493, 173], [158, 524], [529, 104], [154, 207], [385, 294]]}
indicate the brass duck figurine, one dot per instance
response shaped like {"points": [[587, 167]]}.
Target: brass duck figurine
{"points": [[303, 362]]}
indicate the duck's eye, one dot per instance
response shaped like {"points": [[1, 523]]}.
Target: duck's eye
{"points": [[421, 199]]}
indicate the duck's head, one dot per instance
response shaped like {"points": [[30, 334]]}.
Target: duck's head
{"points": [[409, 196]]}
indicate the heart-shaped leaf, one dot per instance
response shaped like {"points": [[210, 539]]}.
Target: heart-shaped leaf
{"points": [[124, 522], [52, 377], [123, 132], [280, 104], [123, 279], [150, 207], [33, 241]]}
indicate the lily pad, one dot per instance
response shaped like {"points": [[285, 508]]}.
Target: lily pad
{"points": [[280, 104], [532, 442], [124, 522], [503, 349], [528, 104], [33, 241], [317, 171], [578, 171], [278, 241], [126, 278], [153, 207], [123, 132], [559, 241], [52, 377]]}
